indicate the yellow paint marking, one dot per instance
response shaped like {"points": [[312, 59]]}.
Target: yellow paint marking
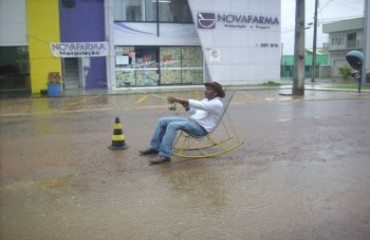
{"points": [[142, 99], [83, 101], [197, 94], [155, 95]]}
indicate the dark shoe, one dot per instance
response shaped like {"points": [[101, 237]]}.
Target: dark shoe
{"points": [[148, 151], [159, 159]]}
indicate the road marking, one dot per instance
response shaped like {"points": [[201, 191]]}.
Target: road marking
{"points": [[83, 101], [55, 111]]}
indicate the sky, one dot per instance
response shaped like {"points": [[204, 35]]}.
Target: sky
{"points": [[328, 11]]}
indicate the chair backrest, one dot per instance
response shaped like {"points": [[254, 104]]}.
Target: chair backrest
{"points": [[226, 102]]}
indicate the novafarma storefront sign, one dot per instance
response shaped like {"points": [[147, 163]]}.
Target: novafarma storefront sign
{"points": [[79, 49], [208, 20]]}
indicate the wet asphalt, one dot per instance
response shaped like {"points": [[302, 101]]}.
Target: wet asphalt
{"points": [[303, 171]]}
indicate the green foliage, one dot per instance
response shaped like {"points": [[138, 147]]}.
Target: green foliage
{"points": [[271, 83], [345, 71]]}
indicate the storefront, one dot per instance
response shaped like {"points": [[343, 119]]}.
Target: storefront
{"points": [[155, 44], [147, 43], [14, 69], [156, 66], [186, 42], [14, 56]]}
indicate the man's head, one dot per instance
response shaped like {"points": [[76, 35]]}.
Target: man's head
{"points": [[214, 89]]}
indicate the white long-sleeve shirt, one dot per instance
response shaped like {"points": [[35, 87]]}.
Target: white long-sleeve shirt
{"points": [[206, 112]]}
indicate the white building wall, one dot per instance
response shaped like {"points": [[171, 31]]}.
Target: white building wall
{"points": [[13, 27], [145, 34], [109, 33], [247, 54]]}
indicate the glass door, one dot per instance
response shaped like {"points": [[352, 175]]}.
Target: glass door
{"points": [[147, 66]]}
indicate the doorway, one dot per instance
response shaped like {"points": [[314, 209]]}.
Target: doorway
{"points": [[71, 73], [147, 66]]}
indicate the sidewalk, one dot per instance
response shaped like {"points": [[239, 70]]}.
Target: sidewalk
{"points": [[319, 84], [285, 84], [100, 102]]}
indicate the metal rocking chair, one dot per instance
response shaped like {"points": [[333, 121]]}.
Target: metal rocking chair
{"points": [[221, 140]]}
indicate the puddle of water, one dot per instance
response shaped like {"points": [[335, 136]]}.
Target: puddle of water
{"points": [[281, 199]]}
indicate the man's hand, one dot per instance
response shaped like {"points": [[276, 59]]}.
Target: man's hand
{"points": [[184, 103], [172, 100]]}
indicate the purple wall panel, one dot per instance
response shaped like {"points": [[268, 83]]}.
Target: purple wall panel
{"points": [[85, 23]]}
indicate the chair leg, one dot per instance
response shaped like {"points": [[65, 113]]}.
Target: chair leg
{"points": [[209, 148]]}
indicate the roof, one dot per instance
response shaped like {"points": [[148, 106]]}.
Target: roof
{"points": [[318, 51], [320, 59], [344, 25]]}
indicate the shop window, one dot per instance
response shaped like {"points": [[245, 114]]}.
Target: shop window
{"points": [[125, 67], [174, 11], [150, 11], [351, 36], [152, 66], [137, 66], [170, 63], [14, 69], [135, 10], [68, 3], [337, 40], [146, 66], [192, 65], [133, 13], [351, 40], [181, 65]]}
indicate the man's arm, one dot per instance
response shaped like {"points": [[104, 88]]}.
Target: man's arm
{"points": [[184, 103]]}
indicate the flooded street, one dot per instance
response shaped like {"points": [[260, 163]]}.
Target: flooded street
{"points": [[303, 172]]}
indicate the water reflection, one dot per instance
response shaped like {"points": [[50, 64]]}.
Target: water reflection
{"points": [[60, 181], [196, 188], [55, 103]]}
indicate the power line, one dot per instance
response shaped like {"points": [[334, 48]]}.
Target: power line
{"points": [[322, 19], [346, 3], [320, 10]]}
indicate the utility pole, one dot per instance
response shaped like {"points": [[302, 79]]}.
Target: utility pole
{"points": [[366, 64], [298, 81], [314, 43]]}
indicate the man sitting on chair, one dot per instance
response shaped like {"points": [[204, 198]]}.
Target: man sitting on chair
{"points": [[205, 116]]}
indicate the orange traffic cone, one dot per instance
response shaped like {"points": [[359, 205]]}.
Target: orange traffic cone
{"points": [[118, 139]]}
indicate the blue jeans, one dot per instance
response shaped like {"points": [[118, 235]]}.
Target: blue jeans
{"points": [[166, 131]]}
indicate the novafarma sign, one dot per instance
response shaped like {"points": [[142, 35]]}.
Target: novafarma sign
{"points": [[79, 49], [207, 20]]}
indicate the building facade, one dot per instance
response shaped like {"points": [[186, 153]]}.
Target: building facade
{"points": [[287, 65], [116, 44], [344, 36], [14, 51]]}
